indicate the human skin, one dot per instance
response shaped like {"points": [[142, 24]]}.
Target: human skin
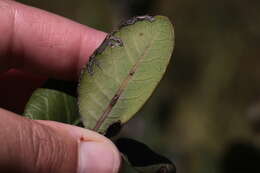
{"points": [[41, 43]]}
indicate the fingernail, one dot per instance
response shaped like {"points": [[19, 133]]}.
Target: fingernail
{"points": [[97, 157]]}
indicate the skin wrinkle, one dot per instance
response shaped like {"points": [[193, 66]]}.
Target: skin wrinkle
{"points": [[48, 144], [4, 7], [25, 142], [21, 145], [56, 42], [13, 40], [16, 139], [12, 37], [38, 143], [56, 148], [45, 43], [57, 145], [6, 148], [41, 41], [34, 143], [27, 145]]}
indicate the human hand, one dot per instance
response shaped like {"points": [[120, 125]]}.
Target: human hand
{"points": [[36, 41]]}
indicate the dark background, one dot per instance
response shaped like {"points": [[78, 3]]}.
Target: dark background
{"points": [[205, 115]]}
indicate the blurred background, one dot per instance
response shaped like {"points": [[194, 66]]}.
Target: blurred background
{"points": [[205, 114]]}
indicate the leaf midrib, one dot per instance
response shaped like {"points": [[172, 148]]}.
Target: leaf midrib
{"points": [[122, 87]]}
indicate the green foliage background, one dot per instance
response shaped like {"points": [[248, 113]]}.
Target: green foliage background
{"points": [[209, 98]]}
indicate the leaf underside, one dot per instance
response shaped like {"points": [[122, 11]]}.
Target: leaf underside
{"points": [[50, 104], [126, 76]]}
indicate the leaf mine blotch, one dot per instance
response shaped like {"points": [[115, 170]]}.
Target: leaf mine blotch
{"points": [[135, 19]]}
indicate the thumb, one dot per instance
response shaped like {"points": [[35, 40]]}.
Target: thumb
{"points": [[46, 146]]}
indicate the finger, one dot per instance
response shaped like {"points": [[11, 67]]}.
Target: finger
{"points": [[44, 43], [44, 146]]}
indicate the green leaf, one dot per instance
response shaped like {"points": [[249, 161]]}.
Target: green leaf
{"points": [[50, 104], [125, 76]]}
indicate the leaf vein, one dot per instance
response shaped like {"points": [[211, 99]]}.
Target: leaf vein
{"points": [[121, 88]]}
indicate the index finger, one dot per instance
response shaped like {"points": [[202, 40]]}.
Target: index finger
{"points": [[44, 43]]}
